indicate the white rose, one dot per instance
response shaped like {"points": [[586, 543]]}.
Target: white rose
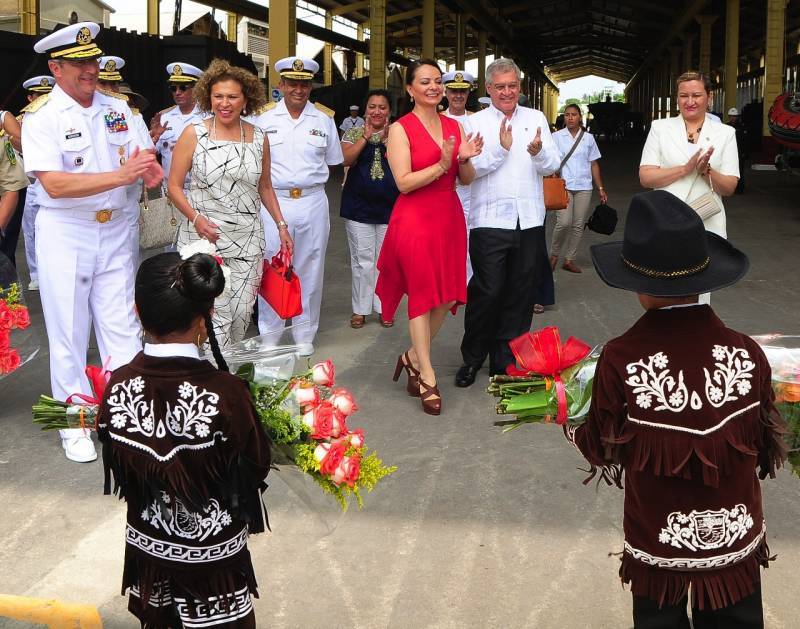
{"points": [[321, 451]]}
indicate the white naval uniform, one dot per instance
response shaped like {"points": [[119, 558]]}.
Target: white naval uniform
{"points": [[29, 213], [350, 122], [84, 265], [175, 122], [133, 194], [301, 151], [463, 191]]}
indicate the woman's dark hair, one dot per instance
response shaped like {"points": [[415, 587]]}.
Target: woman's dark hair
{"points": [[378, 92], [171, 293], [411, 72], [574, 106]]}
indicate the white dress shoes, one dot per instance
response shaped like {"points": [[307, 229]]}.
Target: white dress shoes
{"points": [[77, 444]]}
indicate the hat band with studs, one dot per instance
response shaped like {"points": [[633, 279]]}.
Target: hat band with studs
{"points": [[642, 270]]}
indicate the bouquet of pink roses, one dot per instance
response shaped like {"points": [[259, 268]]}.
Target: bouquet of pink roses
{"points": [[306, 418]]}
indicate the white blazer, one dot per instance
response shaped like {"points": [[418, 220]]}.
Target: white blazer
{"points": [[667, 146]]}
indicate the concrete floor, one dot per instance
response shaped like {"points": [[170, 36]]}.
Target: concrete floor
{"points": [[475, 529]]}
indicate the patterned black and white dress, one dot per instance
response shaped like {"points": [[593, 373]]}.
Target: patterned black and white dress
{"points": [[224, 187]]}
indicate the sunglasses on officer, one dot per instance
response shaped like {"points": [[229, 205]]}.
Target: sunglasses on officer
{"points": [[173, 87]]}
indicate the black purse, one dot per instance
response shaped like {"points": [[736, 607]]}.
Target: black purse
{"points": [[603, 220]]}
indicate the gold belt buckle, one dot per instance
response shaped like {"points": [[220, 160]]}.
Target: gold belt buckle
{"points": [[295, 193], [103, 216]]}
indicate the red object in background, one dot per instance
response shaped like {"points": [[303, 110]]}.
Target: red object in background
{"points": [[280, 286], [542, 353]]}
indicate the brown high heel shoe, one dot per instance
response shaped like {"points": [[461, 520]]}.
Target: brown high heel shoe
{"points": [[404, 362], [430, 397]]}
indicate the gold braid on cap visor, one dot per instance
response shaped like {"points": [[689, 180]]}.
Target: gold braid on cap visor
{"points": [[642, 270], [78, 52]]}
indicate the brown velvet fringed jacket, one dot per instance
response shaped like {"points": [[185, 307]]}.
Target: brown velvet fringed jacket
{"points": [[189, 456], [684, 406]]}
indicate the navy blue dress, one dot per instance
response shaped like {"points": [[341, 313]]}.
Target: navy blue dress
{"points": [[369, 191]]}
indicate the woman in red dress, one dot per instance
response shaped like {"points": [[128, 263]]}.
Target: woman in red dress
{"points": [[424, 253]]}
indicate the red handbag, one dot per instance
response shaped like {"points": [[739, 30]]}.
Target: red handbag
{"points": [[280, 286]]}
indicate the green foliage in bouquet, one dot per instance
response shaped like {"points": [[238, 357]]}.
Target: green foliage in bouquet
{"points": [[372, 470], [52, 414], [790, 411], [11, 295], [533, 399]]}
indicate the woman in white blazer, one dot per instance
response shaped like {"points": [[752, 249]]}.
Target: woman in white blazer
{"points": [[690, 154]]}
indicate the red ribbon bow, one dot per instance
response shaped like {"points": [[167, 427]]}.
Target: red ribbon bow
{"points": [[98, 378], [542, 353]]}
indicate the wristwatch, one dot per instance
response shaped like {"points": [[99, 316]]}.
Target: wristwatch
{"points": [[282, 224]]}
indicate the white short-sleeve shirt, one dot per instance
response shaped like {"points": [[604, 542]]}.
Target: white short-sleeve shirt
{"points": [[577, 172], [63, 136], [176, 122], [301, 149]]}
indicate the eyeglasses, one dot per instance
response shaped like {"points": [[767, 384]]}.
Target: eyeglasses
{"points": [[175, 88]]}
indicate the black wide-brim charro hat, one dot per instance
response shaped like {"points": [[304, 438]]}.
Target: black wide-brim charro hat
{"points": [[667, 251]]}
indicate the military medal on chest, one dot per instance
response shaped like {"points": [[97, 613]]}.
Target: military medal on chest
{"points": [[121, 151]]}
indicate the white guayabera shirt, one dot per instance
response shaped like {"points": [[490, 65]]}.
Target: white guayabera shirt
{"points": [[508, 185]]}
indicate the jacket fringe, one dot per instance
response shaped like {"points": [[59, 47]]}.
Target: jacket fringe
{"points": [[710, 457], [718, 588], [149, 578], [241, 492]]}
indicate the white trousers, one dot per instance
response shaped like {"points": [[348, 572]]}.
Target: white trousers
{"points": [[84, 278], [309, 227], [133, 194], [365, 240], [570, 223], [29, 229]]}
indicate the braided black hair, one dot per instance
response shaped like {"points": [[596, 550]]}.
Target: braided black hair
{"points": [[172, 293]]}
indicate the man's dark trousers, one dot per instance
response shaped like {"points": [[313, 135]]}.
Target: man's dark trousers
{"points": [[500, 295]]}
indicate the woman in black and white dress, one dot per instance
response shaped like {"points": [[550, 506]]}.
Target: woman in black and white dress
{"points": [[230, 178]]}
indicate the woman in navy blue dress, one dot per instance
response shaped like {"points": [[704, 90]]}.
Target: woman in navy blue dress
{"points": [[367, 199]]}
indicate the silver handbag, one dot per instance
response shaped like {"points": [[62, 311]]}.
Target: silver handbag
{"points": [[158, 225], [706, 205]]}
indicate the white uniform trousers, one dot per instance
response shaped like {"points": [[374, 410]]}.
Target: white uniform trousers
{"points": [[309, 226], [133, 194], [84, 277], [365, 240], [29, 229], [233, 310]]}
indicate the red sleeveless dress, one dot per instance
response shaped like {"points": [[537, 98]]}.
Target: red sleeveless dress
{"points": [[424, 252]]}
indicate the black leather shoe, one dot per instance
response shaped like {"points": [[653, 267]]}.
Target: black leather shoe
{"points": [[465, 376]]}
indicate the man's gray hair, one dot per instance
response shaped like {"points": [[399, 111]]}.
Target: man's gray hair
{"points": [[498, 66]]}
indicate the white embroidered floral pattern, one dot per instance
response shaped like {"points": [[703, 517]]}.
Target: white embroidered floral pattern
{"points": [[189, 417], [732, 371], [653, 384], [706, 530], [180, 522], [651, 381]]}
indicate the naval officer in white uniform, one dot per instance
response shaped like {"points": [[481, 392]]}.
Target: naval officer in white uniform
{"points": [[457, 85], [110, 79], [84, 148], [168, 124], [303, 143]]}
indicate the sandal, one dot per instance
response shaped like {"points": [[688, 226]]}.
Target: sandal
{"points": [[357, 321], [430, 397], [404, 362], [387, 323]]}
